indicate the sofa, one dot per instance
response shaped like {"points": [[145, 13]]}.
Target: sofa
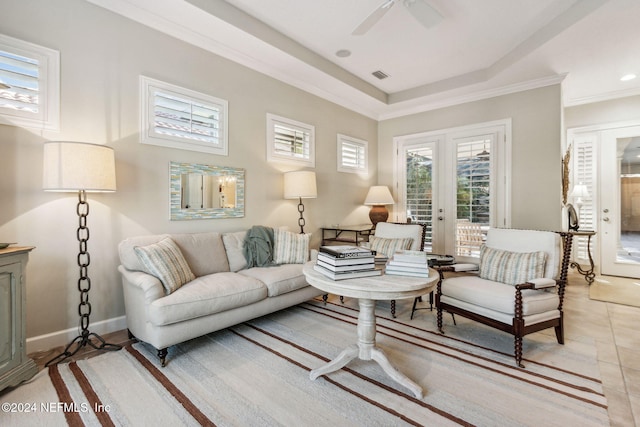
{"points": [[182, 286]]}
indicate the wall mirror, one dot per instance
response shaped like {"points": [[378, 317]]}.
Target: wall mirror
{"points": [[205, 192]]}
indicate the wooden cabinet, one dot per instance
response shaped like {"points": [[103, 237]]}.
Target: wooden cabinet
{"points": [[15, 366]]}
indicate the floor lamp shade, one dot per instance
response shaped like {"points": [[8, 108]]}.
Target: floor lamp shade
{"points": [[74, 166], [378, 196], [300, 184]]}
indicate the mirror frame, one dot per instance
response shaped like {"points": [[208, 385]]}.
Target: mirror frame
{"points": [[176, 170]]}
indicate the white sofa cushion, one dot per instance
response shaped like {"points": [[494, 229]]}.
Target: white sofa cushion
{"points": [[512, 268], [498, 296], [165, 261], [279, 280], [206, 295], [203, 251], [233, 244]]}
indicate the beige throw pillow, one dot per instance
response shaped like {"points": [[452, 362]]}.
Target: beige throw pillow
{"points": [[165, 261]]}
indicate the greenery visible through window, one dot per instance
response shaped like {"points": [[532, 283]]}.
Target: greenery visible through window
{"points": [[181, 118], [29, 84], [290, 141], [352, 155]]}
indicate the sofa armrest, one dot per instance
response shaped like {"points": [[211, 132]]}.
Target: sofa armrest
{"points": [[149, 285]]}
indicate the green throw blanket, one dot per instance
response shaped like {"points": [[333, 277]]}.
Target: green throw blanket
{"points": [[258, 246]]}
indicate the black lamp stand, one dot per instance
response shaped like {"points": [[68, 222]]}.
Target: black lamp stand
{"points": [[84, 286]]}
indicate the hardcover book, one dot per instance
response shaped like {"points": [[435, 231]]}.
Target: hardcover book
{"points": [[329, 259], [347, 251], [346, 275]]}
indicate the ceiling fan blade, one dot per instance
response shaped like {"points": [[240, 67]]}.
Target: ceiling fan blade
{"points": [[424, 14], [373, 18]]}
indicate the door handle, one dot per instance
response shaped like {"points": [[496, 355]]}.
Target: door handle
{"points": [[605, 219], [440, 218]]}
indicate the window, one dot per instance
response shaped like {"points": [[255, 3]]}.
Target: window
{"points": [[176, 117], [352, 155], [289, 141], [29, 84]]}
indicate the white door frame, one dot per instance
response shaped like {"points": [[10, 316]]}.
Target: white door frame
{"points": [[605, 250]]}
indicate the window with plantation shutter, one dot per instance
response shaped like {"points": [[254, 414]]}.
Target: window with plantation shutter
{"points": [[29, 84], [584, 170], [289, 141], [176, 117], [352, 155]]}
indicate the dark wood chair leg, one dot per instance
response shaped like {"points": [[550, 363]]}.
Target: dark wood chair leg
{"points": [[393, 308], [439, 318], [560, 333], [413, 309], [518, 351], [324, 298], [162, 354], [341, 299]]}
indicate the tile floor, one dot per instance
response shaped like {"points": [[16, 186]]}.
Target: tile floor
{"points": [[614, 327]]}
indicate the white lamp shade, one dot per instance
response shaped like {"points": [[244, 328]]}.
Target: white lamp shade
{"points": [[74, 166], [379, 195], [300, 184], [580, 191]]}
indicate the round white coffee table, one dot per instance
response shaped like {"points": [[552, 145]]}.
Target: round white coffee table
{"points": [[368, 290]]}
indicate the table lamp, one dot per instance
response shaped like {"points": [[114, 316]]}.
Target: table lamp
{"points": [[378, 196]]}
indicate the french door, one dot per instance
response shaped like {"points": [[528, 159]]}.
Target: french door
{"points": [[607, 162], [454, 181]]}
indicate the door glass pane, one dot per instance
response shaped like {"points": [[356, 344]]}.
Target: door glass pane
{"points": [[419, 187], [473, 195], [629, 242]]}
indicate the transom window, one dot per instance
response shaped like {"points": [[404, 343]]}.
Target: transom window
{"points": [[176, 117], [352, 155], [29, 84], [290, 141]]}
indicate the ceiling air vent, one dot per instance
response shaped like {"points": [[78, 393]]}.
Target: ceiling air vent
{"points": [[379, 74]]}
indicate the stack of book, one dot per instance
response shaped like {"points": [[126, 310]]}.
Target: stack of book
{"points": [[346, 262], [408, 263]]}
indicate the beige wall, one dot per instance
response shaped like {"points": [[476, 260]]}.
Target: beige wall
{"points": [[605, 112], [536, 148], [102, 56]]}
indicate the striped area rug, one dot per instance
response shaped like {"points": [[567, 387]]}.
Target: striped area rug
{"points": [[257, 374]]}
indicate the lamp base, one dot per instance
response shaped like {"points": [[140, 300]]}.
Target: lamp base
{"points": [[83, 340], [378, 213]]}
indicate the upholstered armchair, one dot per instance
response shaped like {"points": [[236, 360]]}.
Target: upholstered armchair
{"points": [[519, 287]]}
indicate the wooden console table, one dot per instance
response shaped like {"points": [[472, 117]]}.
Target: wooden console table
{"points": [[15, 366], [341, 234]]}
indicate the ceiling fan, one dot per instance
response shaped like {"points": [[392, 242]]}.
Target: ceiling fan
{"points": [[419, 9]]}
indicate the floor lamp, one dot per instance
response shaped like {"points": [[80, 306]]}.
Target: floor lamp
{"points": [[80, 167], [300, 185]]}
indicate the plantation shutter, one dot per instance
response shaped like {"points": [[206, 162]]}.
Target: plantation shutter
{"points": [[181, 117], [21, 75], [584, 169], [290, 141]]}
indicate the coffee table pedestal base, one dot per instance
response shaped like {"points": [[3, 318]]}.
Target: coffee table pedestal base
{"points": [[366, 350]]}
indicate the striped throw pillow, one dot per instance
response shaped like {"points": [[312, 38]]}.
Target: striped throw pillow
{"points": [[290, 247], [165, 261], [388, 247], [512, 268]]}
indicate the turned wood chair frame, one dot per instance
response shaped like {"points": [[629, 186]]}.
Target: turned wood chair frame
{"points": [[517, 328]]}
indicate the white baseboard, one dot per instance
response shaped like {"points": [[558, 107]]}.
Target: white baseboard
{"points": [[64, 337]]}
